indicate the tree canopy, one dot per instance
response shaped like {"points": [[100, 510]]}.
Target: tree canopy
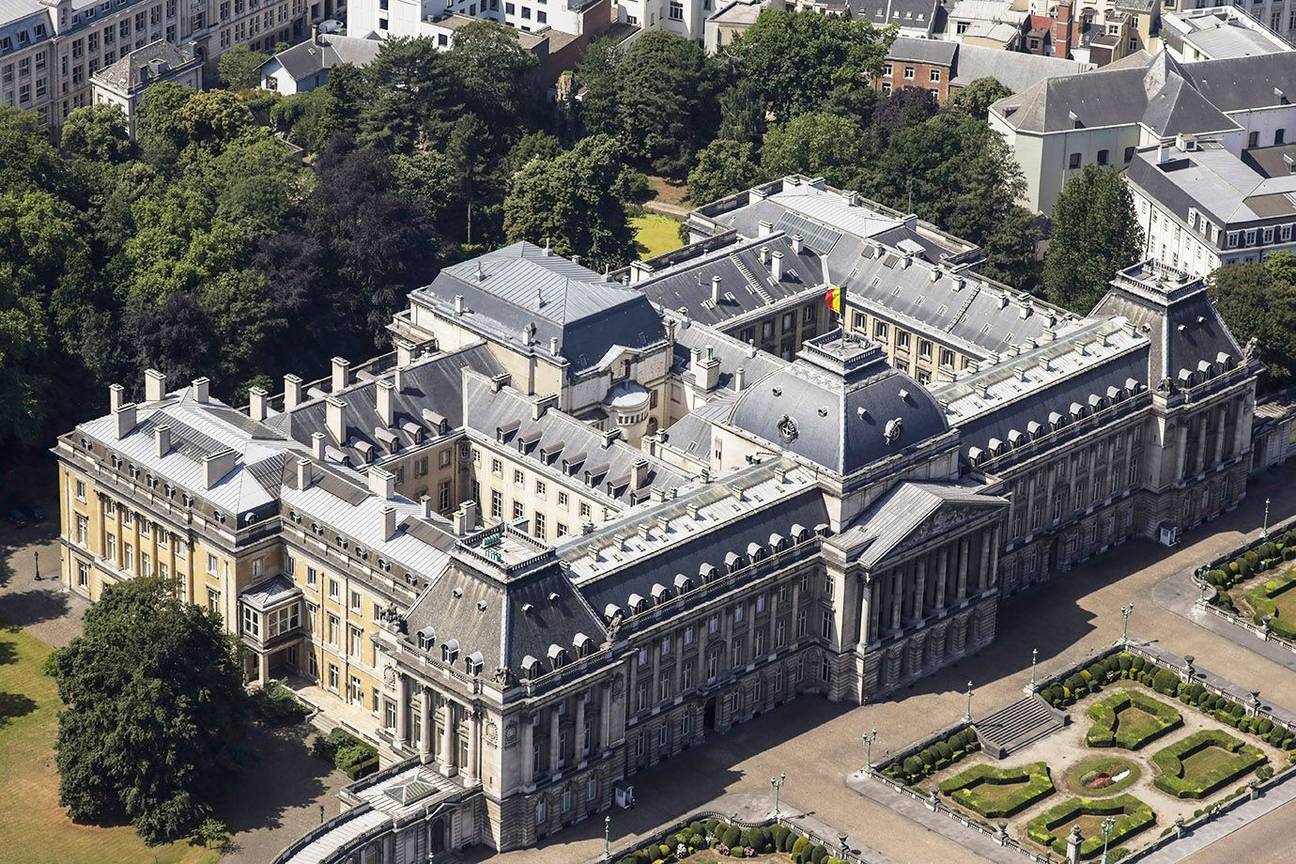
{"points": [[239, 68], [154, 708], [976, 98], [1095, 234], [1258, 301]]}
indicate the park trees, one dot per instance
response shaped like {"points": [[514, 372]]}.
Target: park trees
{"points": [[1258, 301], [154, 708], [1095, 234], [240, 67], [723, 167]]}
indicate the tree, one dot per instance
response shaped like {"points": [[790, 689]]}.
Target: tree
{"points": [[813, 144], [309, 119], [210, 120], [575, 202], [496, 75], [409, 95], [796, 59], [742, 113], [723, 167], [661, 97], [976, 98], [240, 68], [596, 79], [1258, 301], [157, 125], [96, 133], [1095, 234], [154, 702]]}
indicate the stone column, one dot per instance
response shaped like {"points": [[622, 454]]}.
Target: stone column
{"points": [[448, 739], [875, 607], [983, 578], [866, 610], [555, 740], [995, 538], [474, 731], [964, 552], [1201, 443], [1219, 433], [942, 575], [402, 710], [263, 668], [897, 597], [578, 736], [605, 717], [526, 740], [428, 723], [920, 589], [1181, 449], [1243, 426]]}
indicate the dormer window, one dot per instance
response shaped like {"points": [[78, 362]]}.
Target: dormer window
{"points": [[473, 663], [426, 638], [557, 656], [449, 651], [530, 668]]}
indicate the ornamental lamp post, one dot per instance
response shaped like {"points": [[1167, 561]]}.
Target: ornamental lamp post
{"points": [[1126, 611], [868, 738], [967, 715], [1034, 660], [777, 783], [1108, 825], [1264, 527], [607, 832]]}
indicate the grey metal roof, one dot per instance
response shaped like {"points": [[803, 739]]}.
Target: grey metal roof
{"points": [[432, 383], [324, 52], [160, 57], [1013, 69], [936, 51], [839, 417], [275, 590], [1238, 83], [895, 515], [733, 355], [746, 284], [521, 286], [1215, 182], [506, 416]]}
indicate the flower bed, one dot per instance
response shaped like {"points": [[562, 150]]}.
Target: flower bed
{"points": [[1101, 775], [1130, 720], [710, 839], [1203, 762], [997, 792], [1051, 827]]}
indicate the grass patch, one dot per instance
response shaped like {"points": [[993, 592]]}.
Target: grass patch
{"points": [[1275, 599], [34, 829], [656, 234], [1203, 762], [1050, 828], [1096, 776], [1130, 719], [997, 792]]}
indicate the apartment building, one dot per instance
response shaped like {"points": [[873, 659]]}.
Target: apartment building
{"points": [[50, 49], [575, 524]]}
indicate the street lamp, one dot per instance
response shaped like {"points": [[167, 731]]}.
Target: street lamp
{"points": [[1108, 825], [1034, 658], [967, 715], [1264, 527], [868, 737], [1126, 611], [777, 783], [607, 831]]}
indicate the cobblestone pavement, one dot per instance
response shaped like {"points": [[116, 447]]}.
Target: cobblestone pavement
{"points": [[818, 744]]}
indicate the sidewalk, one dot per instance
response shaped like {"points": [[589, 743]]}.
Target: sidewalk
{"points": [[1221, 827]]}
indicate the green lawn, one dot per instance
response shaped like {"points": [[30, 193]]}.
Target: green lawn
{"points": [[33, 828], [656, 234], [1134, 722]]}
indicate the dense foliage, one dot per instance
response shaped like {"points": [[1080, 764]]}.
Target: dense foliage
{"points": [[1095, 234], [1258, 301], [154, 708]]}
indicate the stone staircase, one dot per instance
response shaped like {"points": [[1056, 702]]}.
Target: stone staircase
{"points": [[1013, 727]]}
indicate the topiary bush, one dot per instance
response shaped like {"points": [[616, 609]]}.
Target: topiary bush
{"points": [[1107, 731], [981, 788], [1175, 778], [1132, 816]]}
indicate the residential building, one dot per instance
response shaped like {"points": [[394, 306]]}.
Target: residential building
{"points": [[947, 67], [1217, 33], [505, 560], [51, 49], [306, 65], [124, 82], [1202, 207], [986, 23], [728, 21], [1104, 117], [438, 19]]}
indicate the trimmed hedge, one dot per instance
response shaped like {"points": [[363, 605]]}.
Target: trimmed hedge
{"points": [[1034, 780], [1132, 816], [349, 754], [1261, 599], [1105, 731], [1169, 763], [1256, 560], [934, 757]]}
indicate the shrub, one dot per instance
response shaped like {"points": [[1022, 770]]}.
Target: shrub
{"points": [[213, 834], [799, 847], [731, 835], [1166, 682], [276, 705], [1170, 765], [1106, 731], [1037, 786], [817, 854], [1137, 663], [1132, 816], [779, 835]]}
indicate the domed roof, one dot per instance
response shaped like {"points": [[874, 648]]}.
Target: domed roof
{"points": [[840, 405]]}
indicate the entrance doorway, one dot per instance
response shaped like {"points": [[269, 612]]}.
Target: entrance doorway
{"points": [[437, 836], [709, 715]]}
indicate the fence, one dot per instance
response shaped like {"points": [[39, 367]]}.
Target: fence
{"points": [[835, 846]]}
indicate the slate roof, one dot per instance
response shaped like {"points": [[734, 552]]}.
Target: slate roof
{"points": [[746, 284], [128, 73], [556, 438], [838, 417], [733, 355], [1215, 182], [1013, 69], [522, 286], [1179, 319], [910, 14], [894, 516], [1237, 83], [433, 383], [1154, 94], [324, 52], [936, 51]]}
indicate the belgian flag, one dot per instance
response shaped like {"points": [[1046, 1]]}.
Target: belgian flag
{"points": [[833, 299]]}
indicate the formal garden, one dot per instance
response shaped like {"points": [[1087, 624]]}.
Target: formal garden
{"points": [[1255, 584], [708, 841], [1144, 750]]}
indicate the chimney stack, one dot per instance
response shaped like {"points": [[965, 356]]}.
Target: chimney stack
{"points": [[292, 391], [202, 390], [154, 385], [305, 474], [125, 417], [389, 522], [404, 352], [553, 345], [459, 304], [383, 400], [381, 482], [740, 379], [257, 403], [797, 240], [638, 473], [335, 419], [162, 435], [341, 373], [317, 445], [428, 511], [217, 465], [764, 228], [465, 519], [116, 397], [776, 266], [715, 290]]}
